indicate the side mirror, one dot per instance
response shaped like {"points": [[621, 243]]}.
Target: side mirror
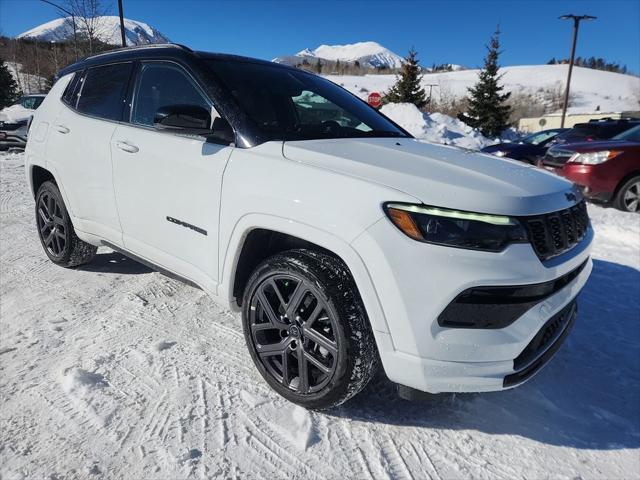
{"points": [[183, 118], [193, 120]]}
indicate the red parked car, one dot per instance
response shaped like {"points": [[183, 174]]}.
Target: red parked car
{"points": [[607, 171]]}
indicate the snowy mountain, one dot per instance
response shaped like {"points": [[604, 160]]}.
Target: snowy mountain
{"points": [[368, 54], [107, 29]]}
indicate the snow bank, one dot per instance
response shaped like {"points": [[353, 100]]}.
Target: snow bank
{"points": [[15, 113], [435, 127]]}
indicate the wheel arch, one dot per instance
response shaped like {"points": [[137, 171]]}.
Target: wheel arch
{"points": [[246, 249], [37, 176], [625, 179]]}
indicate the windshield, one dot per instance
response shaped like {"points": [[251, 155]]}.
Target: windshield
{"points": [[539, 137], [631, 135], [288, 104]]}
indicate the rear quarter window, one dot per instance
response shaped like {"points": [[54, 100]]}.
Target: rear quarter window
{"points": [[70, 94], [103, 89]]}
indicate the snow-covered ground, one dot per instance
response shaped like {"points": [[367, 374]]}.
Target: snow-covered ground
{"points": [[590, 89], [114, 371]]}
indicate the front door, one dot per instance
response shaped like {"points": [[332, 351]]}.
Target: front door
{"points": [[168, 186]]}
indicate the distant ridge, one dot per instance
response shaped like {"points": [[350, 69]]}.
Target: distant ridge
{"points": [[107, 30]]}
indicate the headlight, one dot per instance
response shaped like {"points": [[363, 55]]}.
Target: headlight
{"points": [[455, 228], [594, 158], [499, 153]]}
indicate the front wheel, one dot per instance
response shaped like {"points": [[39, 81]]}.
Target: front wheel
{"points": [[628, 196], [307, 330], [58, 238]]}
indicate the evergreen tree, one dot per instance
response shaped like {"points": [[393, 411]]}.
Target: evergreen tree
{"points": [[407, 88], [9, 91], [487, 109], [318, 66]]}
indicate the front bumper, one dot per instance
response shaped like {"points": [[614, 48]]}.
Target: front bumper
{"points": [[415, 282]]}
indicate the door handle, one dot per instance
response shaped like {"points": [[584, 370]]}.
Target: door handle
{"points": [[62, 128], [127, 147]]}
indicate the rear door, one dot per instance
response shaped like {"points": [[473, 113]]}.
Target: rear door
{"points": [[168, 185], [79, 148]]}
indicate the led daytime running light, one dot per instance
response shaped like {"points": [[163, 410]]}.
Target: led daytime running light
{"points": [[441, 212]]}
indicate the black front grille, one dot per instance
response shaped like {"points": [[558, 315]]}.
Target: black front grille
{"points": [[554, 233], [9, 127], [500, 306]]}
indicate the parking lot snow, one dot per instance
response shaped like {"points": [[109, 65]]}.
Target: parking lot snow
{"points": [[112, 370]]}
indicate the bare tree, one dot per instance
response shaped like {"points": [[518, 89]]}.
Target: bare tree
{"points": [[86, 14]]}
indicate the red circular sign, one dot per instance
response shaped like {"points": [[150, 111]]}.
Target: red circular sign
{"points": [[375, 99]]}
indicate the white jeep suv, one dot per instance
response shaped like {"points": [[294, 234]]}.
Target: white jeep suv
{"points": [[344, 241]]}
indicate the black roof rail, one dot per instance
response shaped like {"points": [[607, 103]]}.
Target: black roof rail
{"points": [[610, 119], [140, 47]]}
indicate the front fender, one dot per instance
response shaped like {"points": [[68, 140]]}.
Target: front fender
{"points": [[342, 249]]}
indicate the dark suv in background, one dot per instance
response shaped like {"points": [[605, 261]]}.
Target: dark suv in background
{"points": [[528, 149], [595, 130]]}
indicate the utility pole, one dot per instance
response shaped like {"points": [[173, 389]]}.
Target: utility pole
{"points": [[73, 22], [431, 85], [576, 25], [124, 40]]}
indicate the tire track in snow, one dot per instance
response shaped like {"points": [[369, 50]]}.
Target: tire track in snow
{"points": [[260, 429]]}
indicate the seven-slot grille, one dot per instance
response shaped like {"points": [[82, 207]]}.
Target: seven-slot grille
{"points": [[555, 233]]}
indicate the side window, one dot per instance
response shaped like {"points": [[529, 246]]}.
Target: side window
{"points": [[103, 90], [29, 102], [162, 84], [70, 94]]}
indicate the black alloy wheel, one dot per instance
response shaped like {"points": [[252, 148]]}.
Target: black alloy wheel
{"points": [[51, 225], [293, 333], [56, 232], [307, 330]]}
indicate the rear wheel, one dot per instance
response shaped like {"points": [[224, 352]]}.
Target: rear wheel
{"points": [[58, 238], [628, 196], [306, 329]]}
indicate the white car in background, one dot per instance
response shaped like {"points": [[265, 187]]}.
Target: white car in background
{"points": [[14, 121], [344, 242]]}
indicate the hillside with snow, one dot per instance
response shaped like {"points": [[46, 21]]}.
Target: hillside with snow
{"points": [[591, 90], [107, 29], [367, 54]]}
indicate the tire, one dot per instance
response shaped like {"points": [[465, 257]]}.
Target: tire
{"points": [[628, 197], [316, 318], [57, 236]]}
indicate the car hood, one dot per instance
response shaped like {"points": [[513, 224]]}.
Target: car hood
{"points": [[597, 146], [505, 147], [440, 175]]}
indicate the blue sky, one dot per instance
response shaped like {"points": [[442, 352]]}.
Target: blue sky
{"points": [[442, 31]]}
